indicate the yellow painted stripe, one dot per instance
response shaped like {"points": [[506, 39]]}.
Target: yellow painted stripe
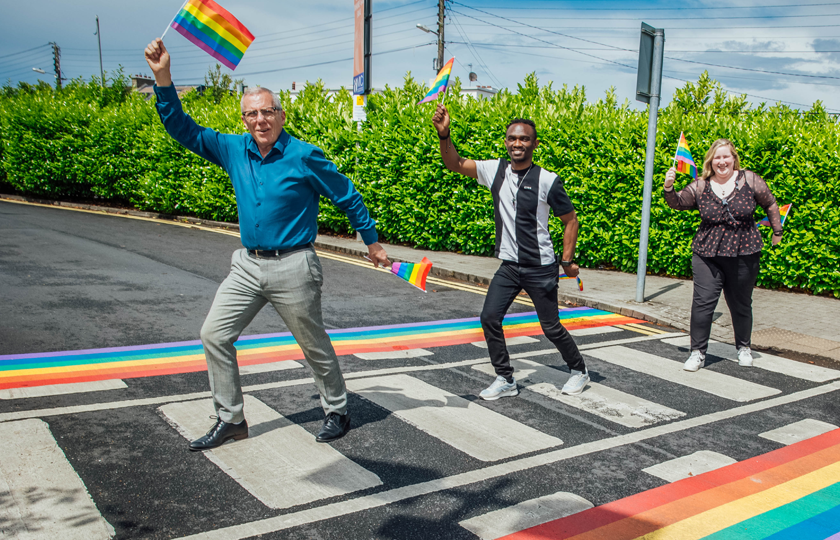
{"points": [[647, 328], [735, 512], [637, 330], [221, 30]]}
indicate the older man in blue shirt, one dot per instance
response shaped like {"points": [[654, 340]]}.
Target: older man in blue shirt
{"points": [[278, 181]]}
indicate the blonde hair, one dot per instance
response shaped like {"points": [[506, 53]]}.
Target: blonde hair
{"points": [[707, 161]]}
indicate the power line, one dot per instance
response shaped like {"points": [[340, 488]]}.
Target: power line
{"points": [[26, 51], [754, 70], [475, 53], [671, 9]]}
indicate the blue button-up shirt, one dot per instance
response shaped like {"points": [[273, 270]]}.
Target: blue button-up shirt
{"points": [[276, 195]]}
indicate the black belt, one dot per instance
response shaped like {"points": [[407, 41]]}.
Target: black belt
{"points": [[272, 253]]}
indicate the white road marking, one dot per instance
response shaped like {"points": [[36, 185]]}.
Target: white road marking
{"points": [[383, 498], [280, 463], [765, 361], [271, 366], [78, 409], [525, 515], [464, 425], [594, 331], [60, 389], [394, 355], [798, 431], [516, 340], [691, 465], [42, 495], [704, 380], [608, 403]]}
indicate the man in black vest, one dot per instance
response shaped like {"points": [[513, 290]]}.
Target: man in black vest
{"points": [[523, 193]]}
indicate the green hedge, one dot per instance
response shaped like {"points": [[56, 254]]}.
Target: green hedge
{"points": [[86, 142]]}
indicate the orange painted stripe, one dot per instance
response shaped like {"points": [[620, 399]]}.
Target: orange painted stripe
{"points": [[225, 19], [648, 511]]}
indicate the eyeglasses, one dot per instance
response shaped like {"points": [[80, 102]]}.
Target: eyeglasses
{"points": [[268, 114]]}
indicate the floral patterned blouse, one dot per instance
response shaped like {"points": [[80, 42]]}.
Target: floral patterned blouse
{"points": [[727, 227]]}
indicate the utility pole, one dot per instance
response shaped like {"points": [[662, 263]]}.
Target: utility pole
{"points": [[648, 87], [57, 64], [99, 39], [441, 17]]}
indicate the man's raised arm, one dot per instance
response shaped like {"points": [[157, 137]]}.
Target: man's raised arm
{"points": [[450, 156], [158, 59]]}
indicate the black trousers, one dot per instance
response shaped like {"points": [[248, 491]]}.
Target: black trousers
{"points": [[736, 276], [540, 283]]}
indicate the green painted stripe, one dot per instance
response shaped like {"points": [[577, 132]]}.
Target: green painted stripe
{"points": [[212, 34]]}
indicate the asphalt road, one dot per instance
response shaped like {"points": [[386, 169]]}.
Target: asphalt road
{"points": [[425, 458]]}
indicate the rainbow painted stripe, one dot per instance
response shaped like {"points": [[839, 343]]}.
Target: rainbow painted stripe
{"points": [[26, 370], [212, 28], [790, 493], [414, 273], [440, 84], [685, 163]]}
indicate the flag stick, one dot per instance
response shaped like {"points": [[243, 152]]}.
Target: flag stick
{"points": [[678, 149], [173, 19]]}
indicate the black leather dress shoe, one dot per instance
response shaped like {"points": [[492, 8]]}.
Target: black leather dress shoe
{"points": [[220, 433], [335, 427]]}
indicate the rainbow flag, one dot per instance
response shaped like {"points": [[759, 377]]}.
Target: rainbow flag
{"points": [[441, 83], [413, 273], [789, 494], [579, 282], [212, 28], [685, 163], [783, 212], [40, 369]]}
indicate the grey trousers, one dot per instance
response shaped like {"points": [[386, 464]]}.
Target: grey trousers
{"points": [[292, 284], [736, 276]]}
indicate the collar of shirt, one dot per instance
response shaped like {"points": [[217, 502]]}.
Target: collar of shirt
{"points": [[279, 145]]}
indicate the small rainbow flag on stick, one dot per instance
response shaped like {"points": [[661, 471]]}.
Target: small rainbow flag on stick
{"points": [[414, 273], [211, 27], [579, 282], [683, 159], [441, 83], [783, 212]]}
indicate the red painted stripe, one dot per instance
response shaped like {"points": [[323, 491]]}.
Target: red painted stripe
{"points": [[626, 508]]}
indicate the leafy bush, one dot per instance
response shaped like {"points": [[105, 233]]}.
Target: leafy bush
{"points": [[85, 141]]}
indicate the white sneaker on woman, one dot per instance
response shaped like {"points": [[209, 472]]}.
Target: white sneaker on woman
{"points": [[695, 361], [499, 388], [745, 357]]}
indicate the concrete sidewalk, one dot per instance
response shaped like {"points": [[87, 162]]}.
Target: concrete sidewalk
{"points": [[783, 321]]}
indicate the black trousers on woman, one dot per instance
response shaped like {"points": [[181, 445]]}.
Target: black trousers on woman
{"points": [[540, 282], [736, 276]]}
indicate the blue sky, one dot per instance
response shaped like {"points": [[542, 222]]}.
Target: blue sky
{"points": [[769, 49]]}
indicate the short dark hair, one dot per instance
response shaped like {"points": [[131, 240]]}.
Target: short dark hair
{"points": [[523, 121]]}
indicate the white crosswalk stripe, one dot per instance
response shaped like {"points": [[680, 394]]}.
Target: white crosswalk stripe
{"points": [[272, 366], [765, 361], [798, 431], [62, 389], [394, 355], [42, 496], [597, 399], [511, 341], [525, 515], [704, 380], [691, 465], [594, 331], [280, 463], [467, 426]]}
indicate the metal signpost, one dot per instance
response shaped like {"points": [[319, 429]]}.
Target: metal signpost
{"points": [[361, 58], [648, 86]]}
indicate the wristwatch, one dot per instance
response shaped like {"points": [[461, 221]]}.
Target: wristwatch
{"points": [[777, 233], [567, 263]]}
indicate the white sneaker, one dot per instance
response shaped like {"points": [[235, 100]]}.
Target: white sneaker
{"points": [[695, 361], [745, 357], [499, 388], [576, 383]]}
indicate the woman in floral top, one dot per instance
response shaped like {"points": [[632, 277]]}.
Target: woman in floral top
{"points": [[727, 247]]}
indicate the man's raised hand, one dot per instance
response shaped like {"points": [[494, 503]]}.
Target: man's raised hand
{"points": [[158, 59], [441, 121]]}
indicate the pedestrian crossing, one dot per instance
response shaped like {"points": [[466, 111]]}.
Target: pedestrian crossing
{"points": [[282, 467]]}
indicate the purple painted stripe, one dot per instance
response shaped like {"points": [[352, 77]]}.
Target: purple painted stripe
{"points": [[200, 44], [834, 537], [107, 350]]}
